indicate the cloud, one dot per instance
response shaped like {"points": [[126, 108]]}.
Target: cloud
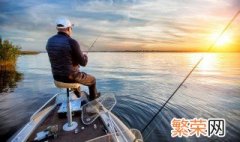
{"points": [[152, 24]]}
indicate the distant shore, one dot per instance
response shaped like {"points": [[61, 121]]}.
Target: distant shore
{"points": [[164, 51], [29, 52], [173, 51], [11, 64]]}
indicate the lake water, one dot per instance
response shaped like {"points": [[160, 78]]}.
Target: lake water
{"points": [[142, 83]]}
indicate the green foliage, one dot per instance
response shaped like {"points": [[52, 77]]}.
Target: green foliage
{"points": [[8, 51]]}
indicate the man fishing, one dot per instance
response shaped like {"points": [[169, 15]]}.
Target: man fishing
{"points": [[66, 57]]}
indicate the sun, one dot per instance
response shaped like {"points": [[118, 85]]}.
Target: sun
{"points": [[225, 39]]}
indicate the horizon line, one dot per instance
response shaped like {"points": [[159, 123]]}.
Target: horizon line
{"points": [[144, 51]]}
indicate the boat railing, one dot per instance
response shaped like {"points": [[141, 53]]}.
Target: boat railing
{"points": [[35, 119], [49, 105]]}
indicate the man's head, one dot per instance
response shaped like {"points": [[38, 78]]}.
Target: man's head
{"points": [[64, 25]]}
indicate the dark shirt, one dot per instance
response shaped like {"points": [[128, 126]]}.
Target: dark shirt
{"points": [[65, 57]]}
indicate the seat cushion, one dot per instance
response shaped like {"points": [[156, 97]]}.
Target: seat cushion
{"points": [[66, 85]]}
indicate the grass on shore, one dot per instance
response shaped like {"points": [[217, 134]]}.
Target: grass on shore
{"points": [[8, 54]]}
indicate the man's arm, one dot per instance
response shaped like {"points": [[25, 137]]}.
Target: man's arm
{"points": [[81, 58]]}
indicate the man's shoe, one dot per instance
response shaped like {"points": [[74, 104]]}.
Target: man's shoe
{"points": [[77, 93], [91, 98]]}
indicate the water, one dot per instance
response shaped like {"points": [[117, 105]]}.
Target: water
{"points": [[142, 83]]}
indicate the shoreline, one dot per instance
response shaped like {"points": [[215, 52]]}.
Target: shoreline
{"points": [[29, 52], [159, 51]]}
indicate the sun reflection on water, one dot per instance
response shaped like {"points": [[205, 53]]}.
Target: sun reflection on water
{"points": [[208, 64]]}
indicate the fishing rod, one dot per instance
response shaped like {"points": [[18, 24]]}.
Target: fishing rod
{"points": [[89, 48], [210, 47]]}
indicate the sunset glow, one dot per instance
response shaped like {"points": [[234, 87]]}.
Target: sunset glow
{"points": [[131, 25], [221, 41], [210, 62]]}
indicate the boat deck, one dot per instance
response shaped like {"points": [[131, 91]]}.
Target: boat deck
{"points": [[89, 132]]}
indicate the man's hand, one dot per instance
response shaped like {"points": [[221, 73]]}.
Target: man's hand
{"points": [[85, 52], [85, 55]]}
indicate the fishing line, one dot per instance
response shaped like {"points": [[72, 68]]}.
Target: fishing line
{"points": [[179, 86], [94, 43]]}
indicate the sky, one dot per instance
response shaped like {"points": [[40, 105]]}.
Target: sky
{"points": [[124, 25]]}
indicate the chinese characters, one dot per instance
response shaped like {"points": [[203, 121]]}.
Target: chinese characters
{"points": [[199, 127]]}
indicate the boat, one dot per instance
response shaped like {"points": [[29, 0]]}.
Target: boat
{"points": [[66, 118]]}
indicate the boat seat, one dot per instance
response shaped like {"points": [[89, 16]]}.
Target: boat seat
{"points": [[66, 85], [70, 125]]}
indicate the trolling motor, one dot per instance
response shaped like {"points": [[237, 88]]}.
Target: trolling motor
{"points": [[49, 133]]}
